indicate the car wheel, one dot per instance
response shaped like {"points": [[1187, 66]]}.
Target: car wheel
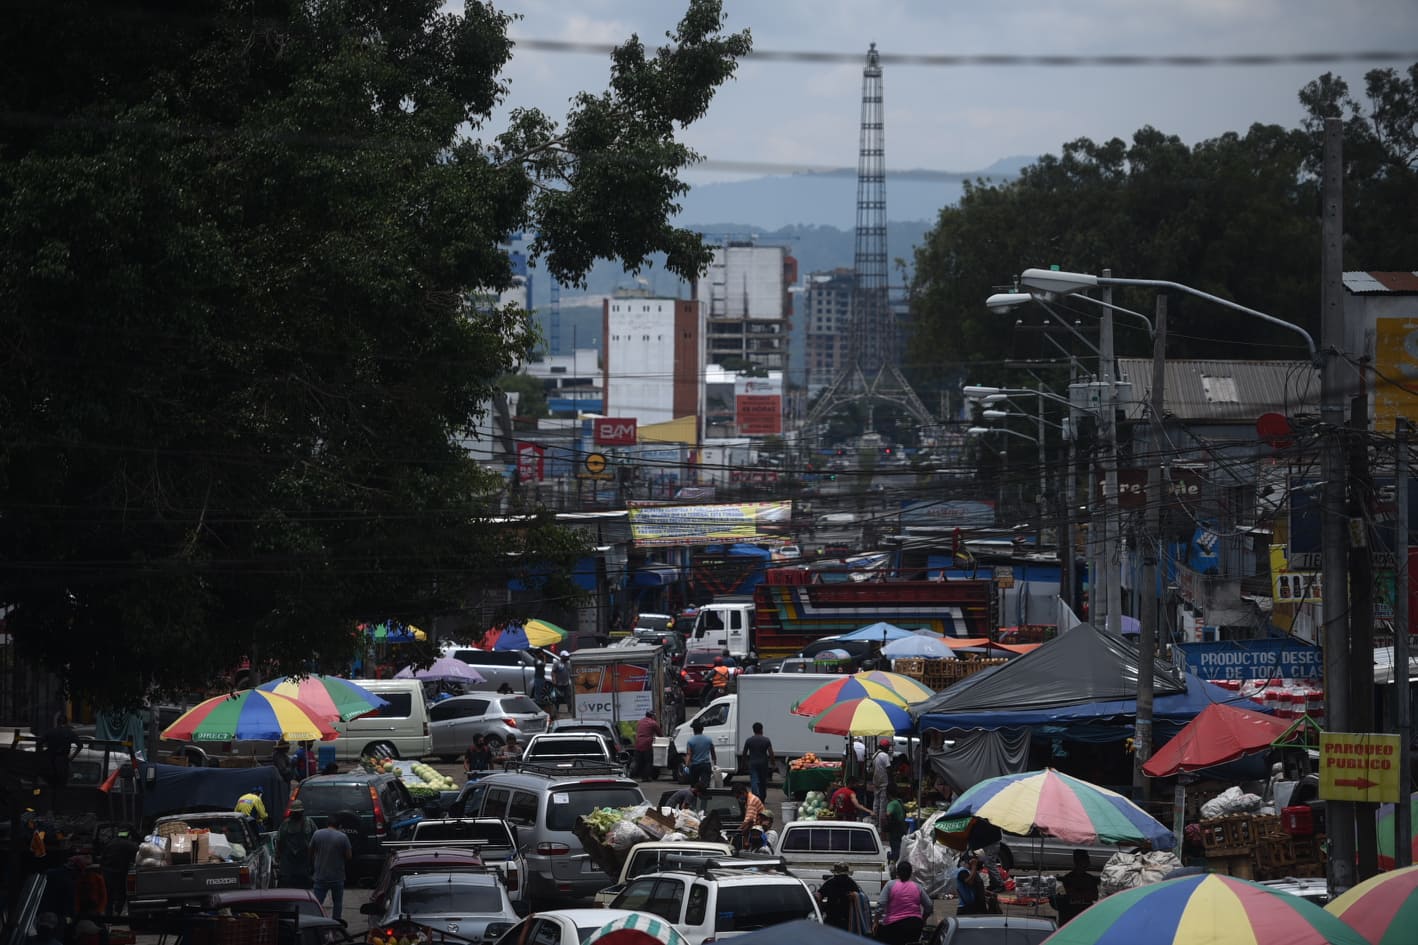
{"points": [[495, 743], [381, 750], [1006, 857]]}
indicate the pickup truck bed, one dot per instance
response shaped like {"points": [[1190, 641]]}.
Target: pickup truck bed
{"points": [[489, 837], [157, 894], [811, 847]]}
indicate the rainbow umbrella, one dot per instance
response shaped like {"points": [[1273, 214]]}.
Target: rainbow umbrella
{"points": [[904, 686], [636, 928], [1058, 805], [330, 696], [544, 633], [1385, 826], [1209, 909], [845, 689], [863, 717], [1383, 908], [250, 715]]}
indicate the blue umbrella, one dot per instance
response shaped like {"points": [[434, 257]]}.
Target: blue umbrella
{"points": [[513, 638], [918, 646], [877, 632]]}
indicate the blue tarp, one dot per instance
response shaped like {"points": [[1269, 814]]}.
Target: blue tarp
{"points": [[654, 575], [194, 789]]}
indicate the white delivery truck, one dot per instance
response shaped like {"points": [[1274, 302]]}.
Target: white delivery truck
{"points": [[619, 684], [761, 697]]}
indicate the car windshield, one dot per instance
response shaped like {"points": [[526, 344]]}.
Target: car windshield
{"points": [[746, 907], [572, 747], [450, 898], [331, 798], [567, 805], [519, 705]]}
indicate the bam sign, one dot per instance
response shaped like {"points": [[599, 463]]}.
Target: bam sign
{"points": [[615, 431]]}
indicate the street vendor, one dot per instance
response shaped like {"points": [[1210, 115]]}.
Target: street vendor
{"points": [[752, 809], [844, 803], [1080, 888], [687, 798], [251, 804]]}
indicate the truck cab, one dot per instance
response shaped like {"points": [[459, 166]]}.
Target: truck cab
{"points": [[725, 625]]}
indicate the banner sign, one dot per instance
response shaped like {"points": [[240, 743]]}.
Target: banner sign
{"points": [[1250, 659], [704, 524], [948, 512], [1395, 370], [615, 431], [529, 462], [1359, 766], [758, 405]]}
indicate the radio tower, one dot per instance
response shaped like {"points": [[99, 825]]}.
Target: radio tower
{"points": [[871, 374]]}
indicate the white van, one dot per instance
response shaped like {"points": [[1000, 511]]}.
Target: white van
{"points": [[398, 730]]}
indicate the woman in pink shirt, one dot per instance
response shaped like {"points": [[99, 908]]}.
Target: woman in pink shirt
{"points": [[904, 907]]}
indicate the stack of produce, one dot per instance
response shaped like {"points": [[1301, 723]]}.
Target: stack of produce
{"points": [[814, 806], [810, 760]]}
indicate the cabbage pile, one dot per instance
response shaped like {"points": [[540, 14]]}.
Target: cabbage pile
{"points": [[814, 806]]}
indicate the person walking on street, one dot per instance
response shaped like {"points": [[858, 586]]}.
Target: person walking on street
{"points": [[561, 679], [881, 783], [759, 750], [293, 848], [702, 758], [752, 809], [905, 906], [251, 805], [646, 731], [895, 823], [330, 852]]}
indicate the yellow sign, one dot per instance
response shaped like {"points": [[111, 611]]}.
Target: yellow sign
{"points": [[595, 463], [1359, 766], [1396, 364]]}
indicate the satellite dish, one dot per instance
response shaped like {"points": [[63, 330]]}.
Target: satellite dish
{"points": [[1275, 429]]}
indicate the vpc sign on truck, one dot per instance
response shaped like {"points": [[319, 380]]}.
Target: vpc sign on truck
{"points": [[618, 684]]}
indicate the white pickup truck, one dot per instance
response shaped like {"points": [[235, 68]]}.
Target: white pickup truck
{"points": [[810, 848], [656, 855]]}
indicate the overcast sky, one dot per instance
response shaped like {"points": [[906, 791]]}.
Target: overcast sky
{"points": [[964, 118]]}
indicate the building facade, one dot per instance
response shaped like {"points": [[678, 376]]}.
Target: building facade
{"points": [[747, 305], [826, 308], [652, 352]]}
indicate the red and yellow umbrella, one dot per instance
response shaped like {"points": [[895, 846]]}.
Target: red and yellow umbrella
{"points": [[250, 715], [845, 689], [863, 717], [1383, 908]]}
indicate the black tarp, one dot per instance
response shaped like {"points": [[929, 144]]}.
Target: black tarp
{"points": [[193, 789], [981, 754], [1086, 664]]}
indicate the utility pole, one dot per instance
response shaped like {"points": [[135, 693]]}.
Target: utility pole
{"points": [[1111, 517], [1043, 502], [1151, 541], [1361, 619], [1334, 535], [1402, 716]]}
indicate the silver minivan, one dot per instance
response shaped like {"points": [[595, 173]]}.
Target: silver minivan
{"points": [[398, 729], [453, 722]]}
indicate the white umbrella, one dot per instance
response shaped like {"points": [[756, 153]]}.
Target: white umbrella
{"points": [[443, 669], [918, 646]]}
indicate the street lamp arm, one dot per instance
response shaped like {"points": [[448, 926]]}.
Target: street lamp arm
{"points": [[974, 392], [981, 431], [1151, 332]]}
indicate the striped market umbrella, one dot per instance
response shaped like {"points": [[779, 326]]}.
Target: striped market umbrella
{"points": [[330, 696], [904, 686], [1058, 805], [544, 633], [863, 717], [845, 689], [1209, 909], [250, 715], [637, 928], [1383, 908], [1385, 825]]}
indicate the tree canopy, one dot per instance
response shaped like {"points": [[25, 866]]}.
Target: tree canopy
{"points": [[242, 240], [1236, 216]]}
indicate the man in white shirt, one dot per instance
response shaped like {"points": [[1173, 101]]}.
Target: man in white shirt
{"points": [[880, 783]]}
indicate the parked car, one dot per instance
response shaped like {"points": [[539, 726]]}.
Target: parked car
{"points": [[811, 848], [1051, 855], [305, 929], [417, 862], [992, 930], [266, 901], [788, 553], [157, 895], [715, 902], [654, 856], [604, 727], [566, 748], [371, 808], [560, 926], [543, 805], [467, 906], [490, 839], [1311, 889], [453, 722], [694, 674], [398, 729], [514, 667]]}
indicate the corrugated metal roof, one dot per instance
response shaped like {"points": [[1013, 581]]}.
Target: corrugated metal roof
{"points": [[1224, 391], [1381, 283]]}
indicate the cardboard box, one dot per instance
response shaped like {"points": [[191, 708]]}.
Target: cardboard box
{"points": [[201, 850], [179, 849]]}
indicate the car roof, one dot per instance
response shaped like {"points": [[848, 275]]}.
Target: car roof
{"points": [[277, 894], [589, 916], [539, 781], [352, 777]]}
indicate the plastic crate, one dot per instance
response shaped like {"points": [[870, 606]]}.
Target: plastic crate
{"points": [[1236, 832]]}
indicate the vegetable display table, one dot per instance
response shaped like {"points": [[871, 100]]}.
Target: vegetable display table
{"points": [[799, 782]]}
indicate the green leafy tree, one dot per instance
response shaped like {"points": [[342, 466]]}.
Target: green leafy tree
{"points": [[531, 395], [240, 242]]}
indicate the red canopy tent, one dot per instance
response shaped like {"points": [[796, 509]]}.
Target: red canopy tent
{"points": [[1219, 733]]}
